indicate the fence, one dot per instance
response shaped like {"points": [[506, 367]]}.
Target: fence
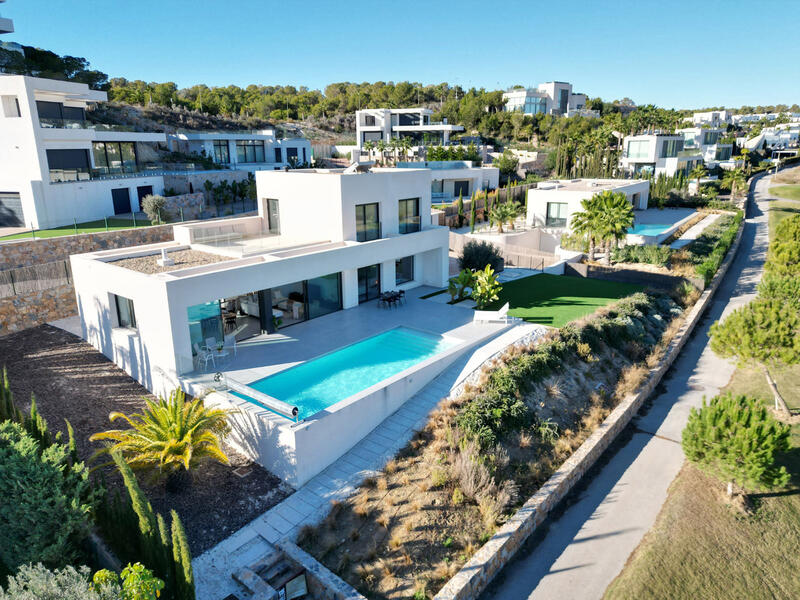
{"points": [[35, 278], [513, 255]]}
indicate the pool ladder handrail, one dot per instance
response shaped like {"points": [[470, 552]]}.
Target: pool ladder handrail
{"points": [[279, 406]]}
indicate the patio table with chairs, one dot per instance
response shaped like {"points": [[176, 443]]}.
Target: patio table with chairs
{"points": [[392, 299]]}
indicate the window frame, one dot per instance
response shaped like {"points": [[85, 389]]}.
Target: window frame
{"points": [[127, 323], [218, 146], [397, 263], [559, 221]]}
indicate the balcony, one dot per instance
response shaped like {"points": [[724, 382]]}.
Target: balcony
{"points": [[122, 172], [46, 123]]}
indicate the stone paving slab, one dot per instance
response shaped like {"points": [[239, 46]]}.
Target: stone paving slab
{"points": [[694, 232]]}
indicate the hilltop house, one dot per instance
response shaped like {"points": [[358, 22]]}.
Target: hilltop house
{"points": [[551, 98], [658, 153], [376, 124]]}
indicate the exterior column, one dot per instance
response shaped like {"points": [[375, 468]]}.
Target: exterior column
{"points": [[350, 288]]}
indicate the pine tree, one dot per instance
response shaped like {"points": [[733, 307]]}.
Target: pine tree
{"points": [[184, 576], [148, 526], [460, 205], [735, 439], [8, 410], [473, 213]]}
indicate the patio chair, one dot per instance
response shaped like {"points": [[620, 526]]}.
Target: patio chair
{"points": [[204, 355], [230, 343], [211, 344], [487, 316], [401, 295]]}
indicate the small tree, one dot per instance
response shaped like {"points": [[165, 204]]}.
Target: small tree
{"points": [[457, 286], [697, 174], [460, 206], [766, 333], [735, 439], [154, 206], [473, 213], [507, 163], [485, 288], [477, 254]]}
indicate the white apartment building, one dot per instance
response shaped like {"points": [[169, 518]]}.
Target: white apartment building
{"points": [[658, 153], [323, 241], [712, 118], [551, 98], [243, 150], [375, 124], [551, 204], [57, 167], [706, 141], [756, 117], [450, 179]]}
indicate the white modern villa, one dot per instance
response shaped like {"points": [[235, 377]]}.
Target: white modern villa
{"points": [[450, 179], [551, 204], [57, 167], [711, 118], [244, 150], [658, 153], [376, 124], [551, 98], [706, 140]]}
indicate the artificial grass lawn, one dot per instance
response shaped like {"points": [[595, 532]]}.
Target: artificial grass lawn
{"points": [[780, 210], [555, 300], [88, 227], [790, 192], [701, 548]]}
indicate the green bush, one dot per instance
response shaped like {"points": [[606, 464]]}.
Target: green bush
{"points": [[708, 251], [155, 207], [477, 254], [788, 230], [652, 255], [783, 289], [783, 259], [45, 519]]}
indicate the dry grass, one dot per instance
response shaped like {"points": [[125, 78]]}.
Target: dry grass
{"points": [[790, 176]]}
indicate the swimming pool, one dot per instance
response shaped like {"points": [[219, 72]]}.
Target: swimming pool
{"points": [[650, 228], [323, 381]]}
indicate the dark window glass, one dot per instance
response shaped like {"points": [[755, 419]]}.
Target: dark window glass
{"points": [[369, 283], [371, 136], [249, 151], [74, 113], [68, 165], [125, 314], [369, 120], [324, 295], [404, 270], [278, 157], [408, 215], [291, 153], [367, 222], [409, 119], [221, 152], [461, 188], [273, 216], [556, 214]]}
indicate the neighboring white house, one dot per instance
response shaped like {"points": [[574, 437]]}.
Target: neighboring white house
{"points": [[450, 179], [56, 167], [244, 150], [706, 141], [551, 204], [712, 118], [375, 124], [756, 117], [658, 153], [323, 241], [551, 98]]}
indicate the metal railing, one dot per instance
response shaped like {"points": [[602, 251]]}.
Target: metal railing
{"points": [[34, 278]]}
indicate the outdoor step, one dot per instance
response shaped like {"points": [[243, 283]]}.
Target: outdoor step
{"points": [[266, 561], [277, 571], [252, 550], [254, 584]]}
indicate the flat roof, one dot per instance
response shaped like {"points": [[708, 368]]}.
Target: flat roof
{"points": [[587, 185], [184, 259]]}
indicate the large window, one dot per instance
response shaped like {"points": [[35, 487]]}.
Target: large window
{"points": [[563, 100], [723, 153], [114, 157], [369, 283], [404, 270], [671, 148], [68, 165], [126, 317], [56, 115], [324, 295], [556, 214], [710, 137], [638, 148], [205, 322], [278, 157], [249, 151], [534, 105], [273, 216], [371, 136], [367, 222], [408, 215], [291, 155], [369, 120], [221, 152], [408, 119]]}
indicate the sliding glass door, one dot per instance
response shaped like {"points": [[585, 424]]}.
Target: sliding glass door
{"points": [[367, 222], [369, 283]]}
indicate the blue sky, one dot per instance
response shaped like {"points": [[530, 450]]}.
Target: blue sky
{"points": [[672, 53]]}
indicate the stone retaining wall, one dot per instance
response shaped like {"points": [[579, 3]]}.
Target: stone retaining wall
{"points": [[192, 205], [31, 252], [476, 574], [185, 183], [36, 308], [625, 275]]}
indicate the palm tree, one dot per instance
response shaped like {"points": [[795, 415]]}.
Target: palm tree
{"points": [[170, 437], [617, 217], [381, 147], [505, 213], [734, 179], [588, 223], [405, 144], [369, 146], [697, 174]]}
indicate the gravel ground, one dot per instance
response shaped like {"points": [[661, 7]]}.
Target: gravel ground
{"points": [[71, 380], [183, 260]]}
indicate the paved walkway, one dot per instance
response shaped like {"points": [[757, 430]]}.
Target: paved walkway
{"points": [[694, 231], [587, 546], [213, 570]]}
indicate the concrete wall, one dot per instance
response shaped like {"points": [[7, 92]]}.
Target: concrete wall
{"points": [[35, 308], [611, 273]]}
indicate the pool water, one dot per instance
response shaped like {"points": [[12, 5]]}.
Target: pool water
{"points": [[649, 228], [323, 381]]}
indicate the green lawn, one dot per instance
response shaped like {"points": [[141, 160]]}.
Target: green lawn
{"points": [[779, 210], [555, 300], [701, 548], [790, 192], [88, 227]]}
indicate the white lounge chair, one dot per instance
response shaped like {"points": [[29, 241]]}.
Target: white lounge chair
{"points": [[486, 316], [204, 355]]}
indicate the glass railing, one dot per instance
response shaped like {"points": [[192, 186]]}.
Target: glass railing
{"points": [[366, 232], [121, 172], [410, 225], [46, 123]]}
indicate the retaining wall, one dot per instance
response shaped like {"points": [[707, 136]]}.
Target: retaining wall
{"points": [[476, 574], [611, 273], [36, 308]]}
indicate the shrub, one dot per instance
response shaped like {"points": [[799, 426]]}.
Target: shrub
{"points": [[470, 471], [477, 254], [652, 255], [485, 287], [783, 289], [45, 519], [788, 230], [783, 259], [735, 439], [155, 207]]}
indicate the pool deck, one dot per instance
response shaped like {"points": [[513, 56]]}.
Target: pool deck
{"points": [[694, 232]]}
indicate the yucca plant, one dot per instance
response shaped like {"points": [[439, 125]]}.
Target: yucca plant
{"points": [[169, 438]]}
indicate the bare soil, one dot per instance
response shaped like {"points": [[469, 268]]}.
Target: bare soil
{"points": [[183, 260], [71, 380]]}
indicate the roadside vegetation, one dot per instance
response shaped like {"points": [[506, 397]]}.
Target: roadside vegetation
{"points": [[408, 529]]}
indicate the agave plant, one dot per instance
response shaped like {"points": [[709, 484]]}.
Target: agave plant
{"points": [[169, 438]]}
